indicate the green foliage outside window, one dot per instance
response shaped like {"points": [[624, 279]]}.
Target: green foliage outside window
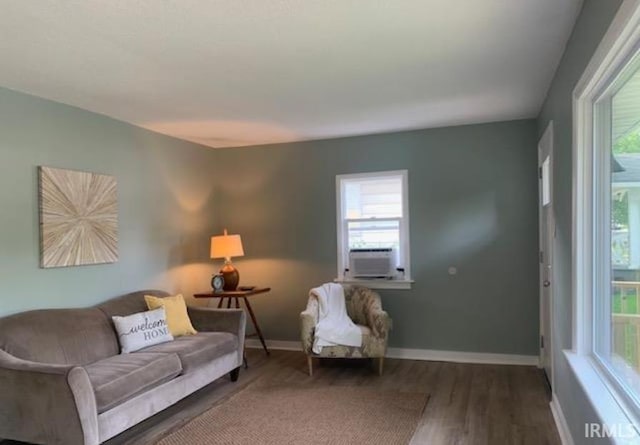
{"points": [[620, 211], [620, 205], [628, 144]]}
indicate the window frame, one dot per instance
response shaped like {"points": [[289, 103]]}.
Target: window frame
{"points": [[404, 228], [590, 218]]}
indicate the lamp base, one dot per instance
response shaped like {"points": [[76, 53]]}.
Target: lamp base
{"points": [[231, 276]]}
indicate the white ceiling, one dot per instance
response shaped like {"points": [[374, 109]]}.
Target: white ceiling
{"points": [[243, 72]]}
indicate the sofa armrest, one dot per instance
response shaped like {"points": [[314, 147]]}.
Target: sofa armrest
{"points": [[218, 320], [308, 322], [45, 403], [207, 319]]}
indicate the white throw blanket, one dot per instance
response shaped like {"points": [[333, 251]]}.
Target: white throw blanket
{"points": [[334, 325]]}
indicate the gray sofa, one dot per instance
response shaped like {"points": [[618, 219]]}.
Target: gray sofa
{"points": [[63, 380]]}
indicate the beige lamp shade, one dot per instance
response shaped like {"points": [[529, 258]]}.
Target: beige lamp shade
{"points": [[226, 246]]}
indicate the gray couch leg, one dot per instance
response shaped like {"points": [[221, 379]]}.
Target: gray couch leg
{"points": [[234, 374]]}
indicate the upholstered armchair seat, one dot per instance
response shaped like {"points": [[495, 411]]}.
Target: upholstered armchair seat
{"points": [[365, 309]]}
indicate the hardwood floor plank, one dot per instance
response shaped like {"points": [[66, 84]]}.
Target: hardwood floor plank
{"points": [[476, 419]]}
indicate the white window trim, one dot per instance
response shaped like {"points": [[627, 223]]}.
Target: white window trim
{"points": [[377, 284], [405, 241], [619, 44]]}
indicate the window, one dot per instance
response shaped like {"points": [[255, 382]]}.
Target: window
{"points": [[616, 200], [373, 222], [546, 182], [606, 223]]}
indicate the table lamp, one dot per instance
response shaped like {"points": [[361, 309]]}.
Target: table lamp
{"points": [[227, 246]]}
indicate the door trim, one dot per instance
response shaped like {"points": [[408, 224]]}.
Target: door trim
{"points": [[547, 137]]}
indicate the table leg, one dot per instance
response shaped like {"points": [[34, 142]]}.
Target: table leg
{"points": [[229, 303], [255, 324], [220, 302], [244, 353]]}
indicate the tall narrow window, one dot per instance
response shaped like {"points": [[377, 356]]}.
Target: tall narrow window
{"points": [[616, 317], [546, 182], [373, 226]]}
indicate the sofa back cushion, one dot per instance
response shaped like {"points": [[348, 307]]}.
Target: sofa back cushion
{"points": [[59, 336], [128, 304]]}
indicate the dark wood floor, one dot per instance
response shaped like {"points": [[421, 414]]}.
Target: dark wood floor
{"points": [[469, 404]]}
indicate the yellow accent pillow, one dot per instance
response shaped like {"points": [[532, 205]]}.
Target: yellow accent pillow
{"points": [[176, 312]]}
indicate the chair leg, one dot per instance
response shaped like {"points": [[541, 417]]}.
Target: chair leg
{"points": [[310, 364], [380, 365]]}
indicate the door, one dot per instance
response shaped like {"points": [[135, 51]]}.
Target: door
{"points": [[547, 234]]}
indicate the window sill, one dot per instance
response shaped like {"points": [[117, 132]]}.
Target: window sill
{"points": [[377, 284], [602, 399]]}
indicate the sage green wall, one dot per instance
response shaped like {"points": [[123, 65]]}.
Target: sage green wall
{"points": [[166, 204], [594, 19], [472, 193]]}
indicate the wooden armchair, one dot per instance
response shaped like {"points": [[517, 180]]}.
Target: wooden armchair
{"points": [[365, 309]]}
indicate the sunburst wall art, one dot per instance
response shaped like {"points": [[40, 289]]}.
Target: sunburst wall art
{"points": [[78, 218]]}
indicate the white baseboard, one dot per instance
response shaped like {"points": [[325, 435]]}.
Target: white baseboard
{"points": [[422, 354], [462, 357], [561, 422]]}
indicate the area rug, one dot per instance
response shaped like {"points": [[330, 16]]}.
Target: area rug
{"points": [[272, 413]]}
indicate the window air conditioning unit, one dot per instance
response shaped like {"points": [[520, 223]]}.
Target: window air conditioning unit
{"points": [[372, 263]]}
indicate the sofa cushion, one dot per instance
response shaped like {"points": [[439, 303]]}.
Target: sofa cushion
{"points": [[59, 336], [128, 304], [195, 350], [121, 377]]}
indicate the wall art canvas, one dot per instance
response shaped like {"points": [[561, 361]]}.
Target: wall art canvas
{"points": [[78, 218]]}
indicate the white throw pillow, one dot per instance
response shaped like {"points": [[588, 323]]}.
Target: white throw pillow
{"points": [[143, 329]]}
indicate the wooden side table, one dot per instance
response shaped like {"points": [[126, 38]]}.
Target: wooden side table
{"points": [[236, 295]]}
